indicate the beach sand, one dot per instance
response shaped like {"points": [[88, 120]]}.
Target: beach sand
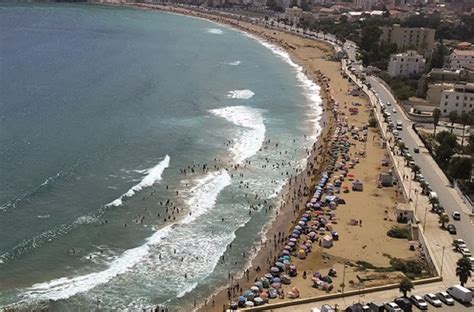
{"points": [[374, 206]]}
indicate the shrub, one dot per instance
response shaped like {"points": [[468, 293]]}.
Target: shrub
{"points": [[399, 232]]}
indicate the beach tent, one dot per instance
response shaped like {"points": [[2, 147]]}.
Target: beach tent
{"points": [[357, 186], [258, 301], [301, 254], [286, 280], [326, 241]]}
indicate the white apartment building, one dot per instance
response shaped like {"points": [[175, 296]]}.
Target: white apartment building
{"points": [[461, 58], [460, 99], [407, 64]]}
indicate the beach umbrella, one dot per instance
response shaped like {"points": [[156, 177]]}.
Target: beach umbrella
{"points": [[249, 295], [255, 289], [274, 270], [285, 252], [304, 219], [298, 227], [297, 232], [279, 265], [259, 284], [302, 223], [276, 280], [313, 200], [242, 299], [287, 247], [264, 296], [276, 285], [286, 262], [291, 244], [306, 215], [308, 205], [295, 235], [294, 240], [249, 304], [269, 277], [286, 258]]}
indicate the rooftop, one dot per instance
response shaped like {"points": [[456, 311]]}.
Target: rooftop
{"points": [[464, 52]]}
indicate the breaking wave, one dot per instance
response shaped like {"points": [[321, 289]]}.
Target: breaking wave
{"points": [[250, 139], [241, 94], [153, 175]]}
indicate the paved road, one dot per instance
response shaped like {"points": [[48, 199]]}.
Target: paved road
{"points": [[380, 297], [429, 169]]}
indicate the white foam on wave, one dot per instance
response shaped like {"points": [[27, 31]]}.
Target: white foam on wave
{"points": [[241, 94], [153, 175], [312, 90], [204, 197], [234, 63], [249, 141], [215, 31]]}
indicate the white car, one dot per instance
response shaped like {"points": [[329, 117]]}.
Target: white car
{"points": [[392, 307], [394, 110], [396, 133], [456, 215], [433, 300], [445, 297], [465, 252], [419, 302]]}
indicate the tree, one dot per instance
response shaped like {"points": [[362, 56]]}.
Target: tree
{"points": [[446, 147], [436, 115], [464, 119], [405, 286], [463, 270], [453, 116], [443, 219], [460, 168]]}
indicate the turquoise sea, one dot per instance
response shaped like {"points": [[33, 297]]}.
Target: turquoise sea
{"points": [[137, 149]]}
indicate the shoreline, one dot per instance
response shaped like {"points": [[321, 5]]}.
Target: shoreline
{"points": [[286, 217], [290, 195]]}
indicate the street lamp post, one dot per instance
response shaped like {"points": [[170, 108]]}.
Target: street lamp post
{"points": [[442, 262], [416, 200], [424, 219]]}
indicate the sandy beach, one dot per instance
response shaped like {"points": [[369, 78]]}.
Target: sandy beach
{"points": [[373, 208]]}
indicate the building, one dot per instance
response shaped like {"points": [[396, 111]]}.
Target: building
{"points": [[407, 64], [421, 39], [461, 59], [365, 5], [460, 98], [294, 14]]}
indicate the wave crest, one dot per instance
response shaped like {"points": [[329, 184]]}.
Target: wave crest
{"points": [[249, 141], [241, 94]]}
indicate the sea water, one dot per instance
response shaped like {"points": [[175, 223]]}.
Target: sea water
{"points": [[101, 111]]}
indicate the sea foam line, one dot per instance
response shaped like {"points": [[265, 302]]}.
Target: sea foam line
{"points": [[249, 141], [312, 90], [204, 197], [153, 175]]}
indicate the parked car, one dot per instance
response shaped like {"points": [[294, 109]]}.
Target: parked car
{"points": [[416, 150], [433, 300], [445, 297], [459, 244], [465, 252], [451, 229], [394, 110], [404, 304], [456, 215], [392, 307], [419, 302], [460, 293]]}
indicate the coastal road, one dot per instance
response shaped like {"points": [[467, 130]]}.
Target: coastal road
{"points": [[430, 170], [380, 297]]}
